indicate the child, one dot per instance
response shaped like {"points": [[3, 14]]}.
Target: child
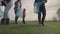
{"points": [[23, 21]]}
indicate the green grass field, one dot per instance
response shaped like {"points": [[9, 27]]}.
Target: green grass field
{"points": [[31, 28]]}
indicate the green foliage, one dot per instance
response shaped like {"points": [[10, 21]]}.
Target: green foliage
{"points": [[54, 19], [58, 13]]}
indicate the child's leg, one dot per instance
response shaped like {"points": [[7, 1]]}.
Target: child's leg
{"points": [[23, 20]]}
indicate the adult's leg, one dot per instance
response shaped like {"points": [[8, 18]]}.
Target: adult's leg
{"points": [[44, 14], [2, 20], [16, 18], [7, 21], [6, 16], [39, 17]]}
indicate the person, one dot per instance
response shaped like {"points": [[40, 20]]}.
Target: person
{"points": [[7, 4], [23, 21], [17, 9], [41, 10]]}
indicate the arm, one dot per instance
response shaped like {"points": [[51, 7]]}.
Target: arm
{"points": [[45, 1], [20, 4], [3, 3], [16, 4]]}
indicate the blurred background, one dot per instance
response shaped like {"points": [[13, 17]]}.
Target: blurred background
{"points": [[52, 10]]}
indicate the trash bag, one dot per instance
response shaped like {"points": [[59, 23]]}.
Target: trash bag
{"points": [[37, 6], [1, 13], [19, 12]]}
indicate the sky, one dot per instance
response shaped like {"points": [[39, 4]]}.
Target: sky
{"points": [[51, 8]]}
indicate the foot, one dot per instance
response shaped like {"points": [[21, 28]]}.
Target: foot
{"points": [[40, 24], [43, 25], [6, 23], [23, 23], [1, 23], [2, 20], [16, 23]]}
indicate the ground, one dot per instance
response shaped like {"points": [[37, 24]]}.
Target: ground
{"points": [[30, 28]]}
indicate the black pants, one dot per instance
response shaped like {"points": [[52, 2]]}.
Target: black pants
{"points": [[16, 19], [43, 11], [23, 21]]}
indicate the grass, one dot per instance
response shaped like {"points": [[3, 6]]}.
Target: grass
{"points": [[31, 28]]}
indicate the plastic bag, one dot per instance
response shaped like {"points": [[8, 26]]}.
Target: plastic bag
{"points": [[1, 13], [37, 6], [19, 12]]}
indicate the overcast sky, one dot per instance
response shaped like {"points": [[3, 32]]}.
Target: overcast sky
{"points": [[51, 8]]}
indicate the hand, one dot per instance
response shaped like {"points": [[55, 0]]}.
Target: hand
{"points": [[44, 2], [5, 2]]}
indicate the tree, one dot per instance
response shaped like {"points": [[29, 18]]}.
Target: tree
{"points": [[54, 19], [58, 13]]}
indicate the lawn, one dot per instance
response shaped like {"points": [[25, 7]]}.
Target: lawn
{"points": [[31, 28]]}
